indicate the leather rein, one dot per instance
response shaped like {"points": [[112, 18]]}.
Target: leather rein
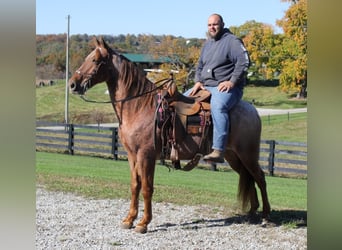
{"points": [[165, 81]]}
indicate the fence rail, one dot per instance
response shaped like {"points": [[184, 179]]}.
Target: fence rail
{"points": [[276, 157]]}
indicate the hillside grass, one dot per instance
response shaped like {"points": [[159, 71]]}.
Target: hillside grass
{"points": [[288, 127], [272, 97], [50, 102]]}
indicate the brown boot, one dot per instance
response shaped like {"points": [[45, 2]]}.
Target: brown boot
{"points": [[215, 156]]}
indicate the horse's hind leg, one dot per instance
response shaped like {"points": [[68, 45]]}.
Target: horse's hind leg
{"points": [[253, 167], [259, 177], [247, 192]]}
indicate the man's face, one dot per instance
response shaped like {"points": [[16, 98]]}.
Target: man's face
{"points": [[214, 26]]}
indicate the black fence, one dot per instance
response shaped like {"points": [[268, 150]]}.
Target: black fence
{"points": [[276, 157]]}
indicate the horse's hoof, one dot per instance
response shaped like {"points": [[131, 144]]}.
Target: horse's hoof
{"points": [[126, 225], [264, 222], [140, 229]]}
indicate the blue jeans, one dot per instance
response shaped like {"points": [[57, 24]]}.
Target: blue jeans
{"points": [[221, 103]]}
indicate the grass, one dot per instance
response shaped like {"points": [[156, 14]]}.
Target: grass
{"points": [[271, 97], [285, 128], [50, 102], [103, 178]]}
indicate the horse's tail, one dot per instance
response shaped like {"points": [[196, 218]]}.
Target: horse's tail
{"points": [[246, 186]]}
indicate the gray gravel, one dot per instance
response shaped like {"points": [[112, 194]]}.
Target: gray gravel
{"points": [[67, 221]]}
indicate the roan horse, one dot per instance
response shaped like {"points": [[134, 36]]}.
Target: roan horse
{"points": [[133, 97]]}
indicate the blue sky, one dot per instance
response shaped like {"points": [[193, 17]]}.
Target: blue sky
{"points": [[186, 18]]}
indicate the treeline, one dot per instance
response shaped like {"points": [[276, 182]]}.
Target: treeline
{"points": [[280, 57], [51, 50]]}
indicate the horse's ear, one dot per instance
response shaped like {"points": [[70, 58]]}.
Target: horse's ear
{"points": [[97, 55], [104, 44], [96, 41]]}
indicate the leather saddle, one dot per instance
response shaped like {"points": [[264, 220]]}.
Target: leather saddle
{"points": [[179, 116]]}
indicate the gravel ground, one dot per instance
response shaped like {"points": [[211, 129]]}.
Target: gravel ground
{"points": [[67, 221]]}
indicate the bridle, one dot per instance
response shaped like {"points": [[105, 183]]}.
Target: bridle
{"points": [[89, 77]]}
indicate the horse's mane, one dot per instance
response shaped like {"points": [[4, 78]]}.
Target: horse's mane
{"points": [[134, 79]]}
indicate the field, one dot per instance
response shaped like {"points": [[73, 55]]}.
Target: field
{"points": [[103, 178], [50, 102]]}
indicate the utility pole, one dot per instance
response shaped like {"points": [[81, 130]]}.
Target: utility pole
{"points": [[66, 117]]}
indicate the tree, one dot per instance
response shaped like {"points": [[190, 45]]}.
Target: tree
{"points": [[260, 42], [262, 45], [294, 49], [183, 53]]}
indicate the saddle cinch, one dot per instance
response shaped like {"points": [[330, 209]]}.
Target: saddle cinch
{"points": [[179, 118]]}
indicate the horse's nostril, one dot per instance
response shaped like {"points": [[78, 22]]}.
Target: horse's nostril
{"points": [[72, 86]]}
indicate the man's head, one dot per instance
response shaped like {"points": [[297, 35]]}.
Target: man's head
{"points": [[215, 25]]}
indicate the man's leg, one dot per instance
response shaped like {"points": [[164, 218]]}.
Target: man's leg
{"points": [[221, 103]]}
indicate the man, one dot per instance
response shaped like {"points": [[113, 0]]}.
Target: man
{"points": [[222, 70]]}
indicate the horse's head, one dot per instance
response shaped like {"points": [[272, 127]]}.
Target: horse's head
{"points": [[95, 69]]}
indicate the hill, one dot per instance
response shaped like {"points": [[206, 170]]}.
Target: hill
{"points": [[50, 102]]}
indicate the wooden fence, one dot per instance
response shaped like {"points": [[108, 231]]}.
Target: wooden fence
{"points": [[276, 157]]}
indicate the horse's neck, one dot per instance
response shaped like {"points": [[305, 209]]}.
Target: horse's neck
{"points": [[128, 103]]}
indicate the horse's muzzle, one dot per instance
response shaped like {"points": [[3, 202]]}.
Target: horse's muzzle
{"points": [[72, 86], [76, 88]]}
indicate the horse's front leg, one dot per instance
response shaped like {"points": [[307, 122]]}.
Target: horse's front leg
{"points": [[127, 223], [146, 172]]}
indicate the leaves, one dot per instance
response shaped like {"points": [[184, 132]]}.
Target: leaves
{"points": [[183, 53], [294, 65]]}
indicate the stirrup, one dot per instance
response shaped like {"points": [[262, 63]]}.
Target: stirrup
{"points": [[215, 156], [192, 163]]}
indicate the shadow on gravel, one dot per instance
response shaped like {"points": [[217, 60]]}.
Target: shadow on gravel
{"points": [[290, 218], [297, 218]]}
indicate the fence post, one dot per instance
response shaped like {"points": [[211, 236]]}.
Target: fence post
{"points": [[271, 157], [115, 143], [70, 128]]}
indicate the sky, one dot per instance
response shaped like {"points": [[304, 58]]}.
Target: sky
{"points": [[186, 18]]}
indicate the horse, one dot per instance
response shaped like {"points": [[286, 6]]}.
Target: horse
{"points": [[133, 97]]}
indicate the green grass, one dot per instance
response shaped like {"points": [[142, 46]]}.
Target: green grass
{"points": [[272, 97], [103, 178], [285, 128], [50, 106], [50, 102]]}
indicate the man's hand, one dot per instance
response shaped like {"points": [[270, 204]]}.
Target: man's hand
{"points": [[196, 88], [225, 86]]}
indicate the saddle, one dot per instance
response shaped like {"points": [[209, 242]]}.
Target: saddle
{"points": [[178, 117]]}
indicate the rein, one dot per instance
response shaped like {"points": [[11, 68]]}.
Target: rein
{"points": [[165, 81], [92, 101]]}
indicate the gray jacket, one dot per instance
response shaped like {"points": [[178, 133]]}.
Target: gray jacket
{"points": [[223, 59]]}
